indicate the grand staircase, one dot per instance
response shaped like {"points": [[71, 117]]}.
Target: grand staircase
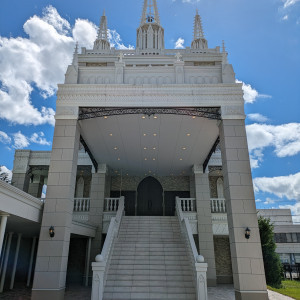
{"points": [[149, 261]]}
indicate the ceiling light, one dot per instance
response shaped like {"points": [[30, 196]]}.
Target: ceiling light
{"points": [[145, 148], [116, 171], [155, 117], [194, 117], [183, 148], [110, 134], [149, 171], [154, 134], [119, 158], [116, 148], [143, 117], [154, 148], [180, 158], [144, 134], [146, 158], [153, 158], [188, 134], [105, 117]]}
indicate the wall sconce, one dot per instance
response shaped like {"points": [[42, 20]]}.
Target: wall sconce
{"points": [[247, 233], [51, 231]]}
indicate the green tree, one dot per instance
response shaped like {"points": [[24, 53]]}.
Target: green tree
{"points": [[273, 266]]}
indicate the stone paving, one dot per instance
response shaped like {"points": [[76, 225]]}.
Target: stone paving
{"points": [[221, 292]]}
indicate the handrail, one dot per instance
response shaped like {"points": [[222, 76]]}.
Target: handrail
{"points": [[200, 267], [100, 267]]}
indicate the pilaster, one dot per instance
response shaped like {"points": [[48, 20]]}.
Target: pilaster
{"points": [[205, 231], [119, 72], [179, 71], [52, 255], [246, 255]]}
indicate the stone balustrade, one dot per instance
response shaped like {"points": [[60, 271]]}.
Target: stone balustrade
{"points": [[111, 204], [197, 260], [218, 205], [188, 204], [81, 204]]}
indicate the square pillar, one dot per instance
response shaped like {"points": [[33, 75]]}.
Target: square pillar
{"points": [[97, 195], [205, 231], [246, 254], [52, 255]]}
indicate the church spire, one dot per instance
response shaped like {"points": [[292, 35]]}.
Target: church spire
{"points": [[102, 42], [150, 34], [75, 56], [199, 41], [150, 12]]}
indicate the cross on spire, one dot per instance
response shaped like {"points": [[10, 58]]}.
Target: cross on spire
{"points": [[150, 12]]}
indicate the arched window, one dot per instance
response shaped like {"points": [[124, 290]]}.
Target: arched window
{"points": [[220, 188]]}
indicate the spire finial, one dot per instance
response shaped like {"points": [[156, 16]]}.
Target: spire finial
{"points": [[75, 56], [102, 37], [223, 47], [199, 41], [225, 59], [150, 12]]}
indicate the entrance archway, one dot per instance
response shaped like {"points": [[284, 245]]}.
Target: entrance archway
{"points": [[150, 197]]}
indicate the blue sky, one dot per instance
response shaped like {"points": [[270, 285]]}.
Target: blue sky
{"points": [[262, 38]]}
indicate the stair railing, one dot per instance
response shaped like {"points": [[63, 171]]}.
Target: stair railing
{"points": [[100, 267], [197, 261]]}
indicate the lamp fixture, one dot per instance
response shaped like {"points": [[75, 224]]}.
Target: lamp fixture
{"points": [[247, 233], [188, 134], [154, 134], [51, 231]]}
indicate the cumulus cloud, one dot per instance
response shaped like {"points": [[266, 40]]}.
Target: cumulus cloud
{"points": [[3, 171], [40, 61], [116, 41], [38, 138], [281, 186], [251, 94], [295, 209], [285, 139], [257, 118], [4, 138], [179, 43], [20, 140], [285, 17]]}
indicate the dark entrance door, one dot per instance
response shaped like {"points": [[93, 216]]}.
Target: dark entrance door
{"points": [[150, 198], [129, 201]]}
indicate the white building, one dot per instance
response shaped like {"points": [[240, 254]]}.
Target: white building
{"points": [[163, 130]]}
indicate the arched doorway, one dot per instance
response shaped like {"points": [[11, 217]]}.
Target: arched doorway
{"points": [[150, 197]]}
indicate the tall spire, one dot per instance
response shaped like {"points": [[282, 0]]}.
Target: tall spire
{"points": [[150, 12], [75, 56], [150, 34], [102, 42], [199, 41]]}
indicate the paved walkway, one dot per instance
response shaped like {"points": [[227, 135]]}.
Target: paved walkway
{"points": [[221, 292]]}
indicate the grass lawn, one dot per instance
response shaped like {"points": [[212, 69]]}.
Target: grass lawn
{"points": [[289, 288]]}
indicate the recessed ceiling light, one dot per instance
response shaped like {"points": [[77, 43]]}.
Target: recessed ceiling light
{"points": [[146, 158], [116, 148], [153, 158], [143, 117], [126, 174], [154, 134], [149, 171], [188, 134], [155, 117], [154, 148], [144, 134], [145, 148], [110, 134], [183, 148], [119, 158], [194, 117], [180, 158]]}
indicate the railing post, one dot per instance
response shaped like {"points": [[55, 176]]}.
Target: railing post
{"points": [[201, 269], [98, 281]]}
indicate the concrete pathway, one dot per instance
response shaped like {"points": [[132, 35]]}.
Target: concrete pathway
{"points": [[277, 296]]}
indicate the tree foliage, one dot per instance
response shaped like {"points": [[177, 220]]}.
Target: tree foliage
{"points": [[272, 264]]}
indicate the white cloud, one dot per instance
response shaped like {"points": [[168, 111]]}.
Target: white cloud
{"points": [[4, 138], [4, 169], [284, 138], [20, 140], [281, 186], [269, 201], [257, 117], [258, 200], [116, 41], [295, 209], [38, 138], [251, 94], [179, 43], [190, 1], [288, 3], [40, 60], [285, 17]]}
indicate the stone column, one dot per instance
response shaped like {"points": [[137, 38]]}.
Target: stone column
{"points": [[97, 195], [2, 230], [31, 261], [205, 231], [246, 255], [12, 280], [3, 275], [20, 177], [52, 255]]}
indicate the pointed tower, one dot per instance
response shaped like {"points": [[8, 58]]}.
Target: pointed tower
{"points": [[102, 43], [199, 41], [150, 34]]}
